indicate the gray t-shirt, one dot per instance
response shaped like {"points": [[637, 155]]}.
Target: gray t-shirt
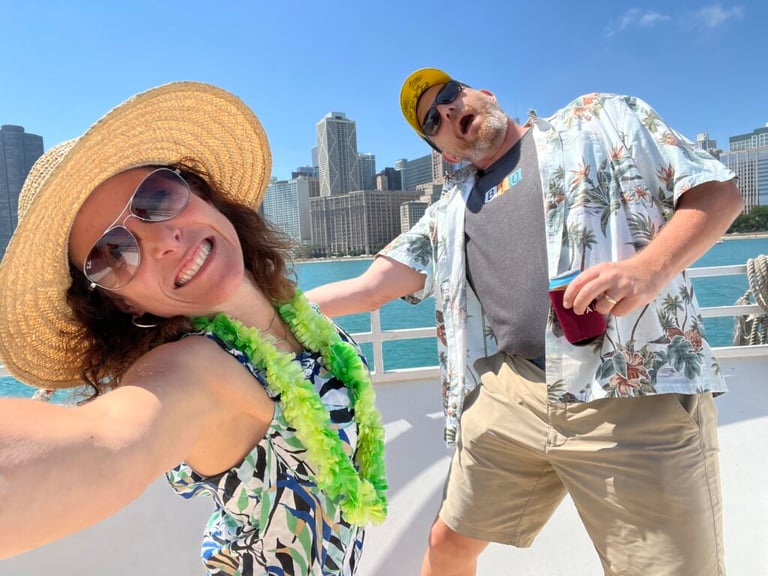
{"points": [[506, 250]]}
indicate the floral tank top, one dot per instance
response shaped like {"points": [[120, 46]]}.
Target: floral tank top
{"points": [[270, 517]]}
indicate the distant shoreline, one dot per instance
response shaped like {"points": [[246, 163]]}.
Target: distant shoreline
{"points": [[337, 259], [745, 235]]}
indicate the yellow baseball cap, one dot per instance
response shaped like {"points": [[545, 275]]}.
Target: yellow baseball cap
{"points": [[413, 87]]}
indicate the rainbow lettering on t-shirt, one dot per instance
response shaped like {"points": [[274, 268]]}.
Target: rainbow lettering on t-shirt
{"points": [[507, 183]]}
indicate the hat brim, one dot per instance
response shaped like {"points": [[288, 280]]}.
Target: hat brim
{"points": [[40, 342], [414, 86]]}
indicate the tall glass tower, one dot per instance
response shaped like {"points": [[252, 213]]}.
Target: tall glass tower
{"points": [[368, 171], [18, 151], [337, 158], [286, 206]]}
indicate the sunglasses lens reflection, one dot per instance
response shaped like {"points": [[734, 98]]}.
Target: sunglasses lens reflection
{"points": [[447, 94], [432, 122], [114, 259], [161, 196]]}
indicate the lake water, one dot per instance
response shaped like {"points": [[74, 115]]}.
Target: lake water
{"points": [[423, 352]]}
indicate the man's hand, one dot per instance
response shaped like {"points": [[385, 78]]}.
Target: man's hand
{"points": [[615, 288]]}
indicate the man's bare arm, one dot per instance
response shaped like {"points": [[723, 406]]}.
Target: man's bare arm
{"points": [[385, 280]]}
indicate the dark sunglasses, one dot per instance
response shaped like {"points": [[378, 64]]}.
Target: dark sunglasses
{"points": [[115, 257], [447, 94]]}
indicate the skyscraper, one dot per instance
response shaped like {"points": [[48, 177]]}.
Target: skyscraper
{"points": [[286, 205], [368, 171], [337, 157], [388, 179], [18, 151], [415, 172], [748, 158], [410, 212], [704, 142], [441, 167]]}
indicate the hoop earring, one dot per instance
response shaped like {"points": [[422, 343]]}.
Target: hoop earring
{"points": [[140, 322]]}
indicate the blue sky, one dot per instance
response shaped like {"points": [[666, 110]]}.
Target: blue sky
{"points": [[701, 64]]}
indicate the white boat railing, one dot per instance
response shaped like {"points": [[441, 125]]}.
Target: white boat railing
{"points": [[376, 336], [733, 310]]}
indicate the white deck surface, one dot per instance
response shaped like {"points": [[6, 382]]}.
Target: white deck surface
{"points": [[159, 534]]}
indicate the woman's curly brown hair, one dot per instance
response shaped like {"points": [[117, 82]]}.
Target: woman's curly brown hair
{"points": [[116, 343]]}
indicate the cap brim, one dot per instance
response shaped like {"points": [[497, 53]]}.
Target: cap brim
{"points": [[413, 87]]}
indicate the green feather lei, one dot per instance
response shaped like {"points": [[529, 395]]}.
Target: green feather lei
{"points": [[361, 492]]}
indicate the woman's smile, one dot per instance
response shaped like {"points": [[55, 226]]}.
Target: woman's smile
{"points": [[197, 261]]}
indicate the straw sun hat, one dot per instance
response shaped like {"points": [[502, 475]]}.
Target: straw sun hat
{"points": [[40, 342]]}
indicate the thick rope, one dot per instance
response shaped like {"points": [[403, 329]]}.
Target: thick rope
{"points": [[752, 329]]}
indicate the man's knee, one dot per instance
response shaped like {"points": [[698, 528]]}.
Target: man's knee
{"points": [[441, 537]]}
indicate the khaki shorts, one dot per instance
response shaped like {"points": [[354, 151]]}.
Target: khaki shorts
{"points": [[642, 472]]}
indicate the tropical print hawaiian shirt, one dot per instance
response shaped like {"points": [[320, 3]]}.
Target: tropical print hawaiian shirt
{"points": [[611, 173]]}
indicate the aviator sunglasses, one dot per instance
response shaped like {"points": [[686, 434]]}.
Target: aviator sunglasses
{"points": [[115, 257], [446, 95]]}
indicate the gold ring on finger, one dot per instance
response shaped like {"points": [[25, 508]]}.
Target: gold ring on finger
{"points": [[609, 299]]}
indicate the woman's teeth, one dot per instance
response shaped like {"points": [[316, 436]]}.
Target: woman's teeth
{"points": [[202, 256]]}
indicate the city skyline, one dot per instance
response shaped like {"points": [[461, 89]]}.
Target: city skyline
{"points": [[65, 65]]}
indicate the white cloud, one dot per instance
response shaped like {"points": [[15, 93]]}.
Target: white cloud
{"points": [[635, 17], [714, 15]]}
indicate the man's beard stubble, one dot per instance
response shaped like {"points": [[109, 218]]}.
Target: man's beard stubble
{"points": [[491, 133]]}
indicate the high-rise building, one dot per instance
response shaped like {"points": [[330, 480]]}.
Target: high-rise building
{"points": [[748, 158], [441, 167], [314, 156], [286, 206], [429, 193], [368, 171], [304, 171], [360, 222], [704, 142], [758, 138], [388, 179], [337, 158], [18, 151], [410, 212], [428, 169]]}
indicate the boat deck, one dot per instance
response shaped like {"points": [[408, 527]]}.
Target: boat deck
{"points": [[418, 466], [159, 535]]}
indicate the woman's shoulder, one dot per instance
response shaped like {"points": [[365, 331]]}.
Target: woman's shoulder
{"points": [[189, 349], [197, 369], [195, 359]]}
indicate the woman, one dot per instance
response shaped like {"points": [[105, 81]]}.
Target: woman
{"points": [[141, 268]]}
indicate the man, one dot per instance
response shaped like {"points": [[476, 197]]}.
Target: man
{"points": [[626, 423]]}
